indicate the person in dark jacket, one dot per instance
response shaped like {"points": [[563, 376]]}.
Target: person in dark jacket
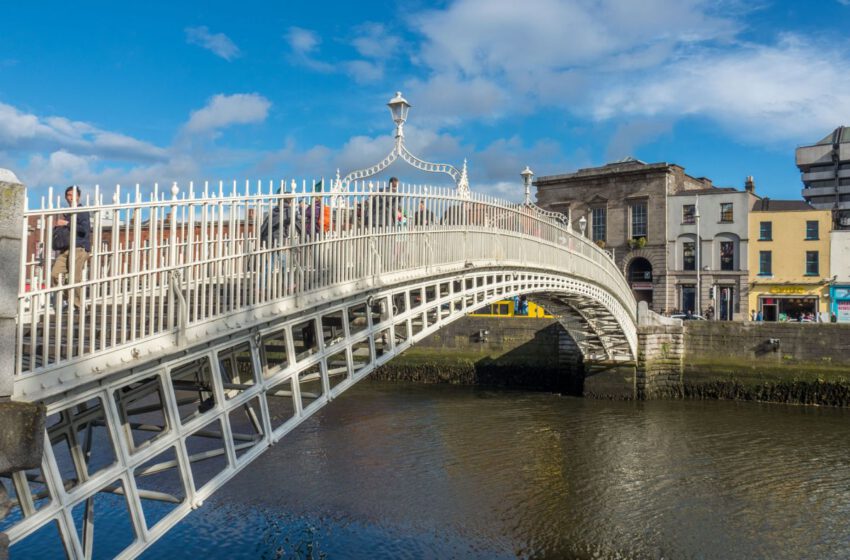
{"points": [[64, 240], [423, 216]]}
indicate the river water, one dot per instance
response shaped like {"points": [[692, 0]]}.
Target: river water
{"points": [[394, 470]]}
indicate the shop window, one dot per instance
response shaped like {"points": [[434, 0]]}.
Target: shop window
{"points": [[689, 212], [726, 212], [689, 255], [765, 263], [727, 255], [812, 263], [598, 223], [765, 231], [811, 229], [638, 220]]}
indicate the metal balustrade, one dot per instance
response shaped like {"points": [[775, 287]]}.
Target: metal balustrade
{"points": [[163, 265]]}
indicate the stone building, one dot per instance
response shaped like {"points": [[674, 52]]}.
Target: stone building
{"points": [[710, 274], [625, 208]]}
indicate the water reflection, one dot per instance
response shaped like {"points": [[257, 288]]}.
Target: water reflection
{"points": [[411, 471]]}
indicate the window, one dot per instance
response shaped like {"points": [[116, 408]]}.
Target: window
{"points": [[765, 231], [727, 255], [811, 229], [812, 263], [689, 256], [598, 223], [689, 212], [765, 263], [638, 220], [726, 212]]}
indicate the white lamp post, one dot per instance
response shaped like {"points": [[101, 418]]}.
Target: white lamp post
{"points": [[399, 108], [527, 174], [698, 306], [582, 225]]}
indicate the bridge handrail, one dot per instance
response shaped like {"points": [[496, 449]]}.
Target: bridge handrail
{"points": [[213, 241]]}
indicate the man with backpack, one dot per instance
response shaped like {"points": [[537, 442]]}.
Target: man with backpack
{"points": [[81, 244]]}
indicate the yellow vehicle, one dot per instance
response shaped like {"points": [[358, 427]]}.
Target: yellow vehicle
{"points": [[507, 308]]}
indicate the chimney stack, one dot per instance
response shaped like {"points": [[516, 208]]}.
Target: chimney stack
{"points": [[750, 184]]}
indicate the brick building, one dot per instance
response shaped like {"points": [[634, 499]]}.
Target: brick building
{"points": [[625, 205]]}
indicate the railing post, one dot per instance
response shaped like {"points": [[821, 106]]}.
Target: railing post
{"points": [[21, 424]]}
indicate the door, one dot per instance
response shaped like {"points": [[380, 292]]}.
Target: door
{"points": [[726, 307], [689, 299], [769, 312]]}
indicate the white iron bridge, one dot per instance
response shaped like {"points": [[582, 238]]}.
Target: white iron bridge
{"points": [[204, 333]]}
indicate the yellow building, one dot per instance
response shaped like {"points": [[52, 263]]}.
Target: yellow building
{"points": [[789, 260]]}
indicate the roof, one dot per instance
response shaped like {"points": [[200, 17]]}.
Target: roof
{"points": [[710, 191], [770, 205], [621, 167], [840, 135]]}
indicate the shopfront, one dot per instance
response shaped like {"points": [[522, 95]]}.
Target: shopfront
{"points": [[790, 303], [839, 296]]}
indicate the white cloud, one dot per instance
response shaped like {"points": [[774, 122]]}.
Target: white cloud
{"points": [[304, 44], [302, 41], [225, 110], [793, 90], [21, 132], [617, 59], [373, 40], [449, 99], [218, 43]]}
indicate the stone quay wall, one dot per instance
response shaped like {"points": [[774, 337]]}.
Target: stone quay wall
{"points": [[500, 352]]}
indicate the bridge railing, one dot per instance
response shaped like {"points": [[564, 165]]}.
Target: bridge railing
{"points": [[165, 260]]}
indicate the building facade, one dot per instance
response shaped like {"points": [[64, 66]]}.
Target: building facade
{"points": [[839, 268], [707, 256], [789, 252], [825, 169], [624, 205]]}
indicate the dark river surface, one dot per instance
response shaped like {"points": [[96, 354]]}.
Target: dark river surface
{"points": [[393, 470]]}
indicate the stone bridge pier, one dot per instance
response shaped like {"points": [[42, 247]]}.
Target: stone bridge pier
{"points": [[21, 424], [656, 373]]}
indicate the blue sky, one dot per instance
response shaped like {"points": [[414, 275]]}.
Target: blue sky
{"points": [[106, 93]]}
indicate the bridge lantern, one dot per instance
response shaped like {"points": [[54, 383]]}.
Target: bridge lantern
{"points": [[399, 107]]}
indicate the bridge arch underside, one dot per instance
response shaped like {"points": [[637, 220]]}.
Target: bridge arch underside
{"points": [[151, 443]]}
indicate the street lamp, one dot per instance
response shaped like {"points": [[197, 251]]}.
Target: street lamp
{"points": [[582, 225], [699, 295], [527, 174], [399, 107]]}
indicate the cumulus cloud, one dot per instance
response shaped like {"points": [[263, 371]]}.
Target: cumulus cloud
{"points": [[792, 90], [225, 110], [304, 44], [616, 59], [218, 43], [20, 131]]}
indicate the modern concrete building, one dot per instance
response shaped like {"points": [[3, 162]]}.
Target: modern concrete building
{"points": [[624, 206], [790, 251], [825, 169], [707, 256]]}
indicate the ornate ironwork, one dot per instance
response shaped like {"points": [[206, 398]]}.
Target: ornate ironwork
{"points": [[460, 177]]}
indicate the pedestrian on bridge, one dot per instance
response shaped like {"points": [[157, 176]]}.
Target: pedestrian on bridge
{"points": [[65, 240], [423, 216]]}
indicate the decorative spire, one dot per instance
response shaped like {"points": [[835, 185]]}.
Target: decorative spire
{"points": [[463, 183]]}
